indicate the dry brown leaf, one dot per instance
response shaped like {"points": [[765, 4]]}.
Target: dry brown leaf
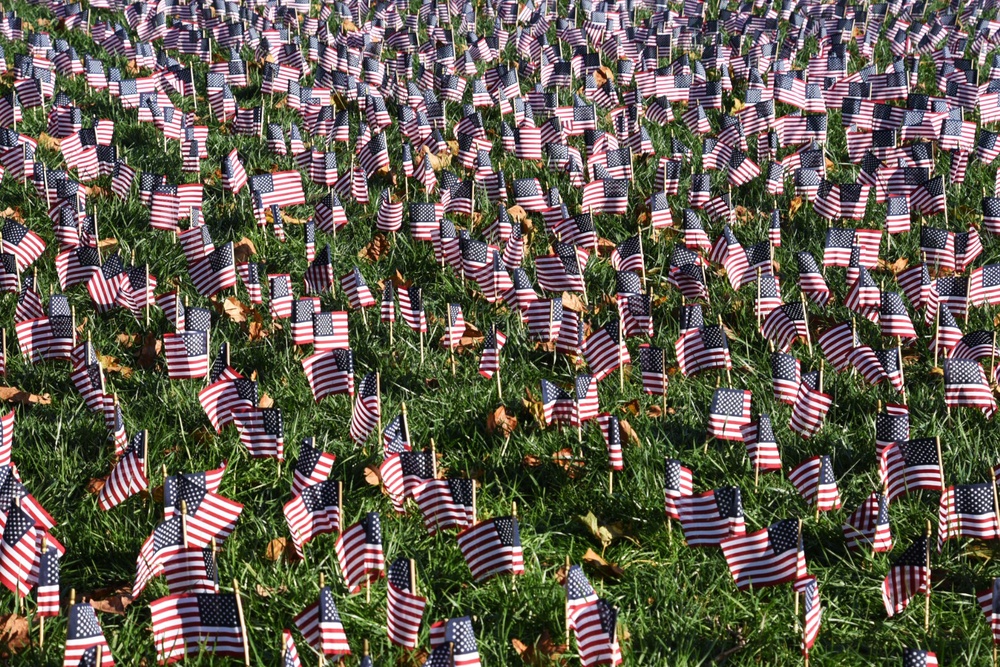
{"points": [[794, 205], [106, 243], [266, 592], [534, 406], [244, 249], [438, 162], [14, 634], [605, 247], [571, 301], [544, 653], [602, 75], [110, 599], [151, 347], [111, 365], [375, 249], [372, 476], [499, 420], [203, 435], [95, 485], [629, 432], [13, 214], [568, 461], [95, 191], [265, 401], [531, 461], [348, 25], [15, 395], [517, 213], [603, 568], [49, 142], [234, 309], [632, 407], [279, 548], [744, 215], [895, 267], [256, 329]]}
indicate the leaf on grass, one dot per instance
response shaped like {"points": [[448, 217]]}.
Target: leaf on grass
{"points": [[244, 249], [202, 435], [47, 141], [266, 592], [110, 599], [605, 247], [600, 532], [603, 74], [744, 215], [151, 347], [568, 461], [632, 407], [603, 568], [629, 432], [737, 106], [794, 205], [499, 420], [375, 249], [534, 406], [256, 330], [530, 461], [95, 191], [372, 476], [12, 213], [14, 634], [95, 485], [279, 548], [895, 267], [107, 243], [571, 301], [265, 401], [234, 309], [15, 395], [111, 365], [937, 370], [439, 161]]}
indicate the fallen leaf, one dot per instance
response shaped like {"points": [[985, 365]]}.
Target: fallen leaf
{"points": [[14, 634], [937, 370], [632, 407], [375, 249], [265, 401], [534, 406], [517, 213], [372, 476], [266, 592], [151, 347], [605, 247], [794, 205], [244, 249], [602, 567], [235, 310], [568, 461], [15, 395], [156, 493], [571, 301], [202, 435], [111, 365], [602, 75], [95, 485], [737, 106], [256, 330], [279, 548], [348, 25], [895, 267], [128, 340], [438, 162], [600, 532], [629, 432], [107, 243], [95, 191], [499, 420], [49, 142], [531, 461], [12, 213], [111, 599], [432, 383]]}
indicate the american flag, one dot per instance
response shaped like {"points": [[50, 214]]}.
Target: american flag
{"points": [[493, 343], [85, 638], [47, 593], [938, 247], [405, 606], [761, 444], [215, 273], [909, 575], [445, 503], [315, 511], [562, 271], [652, 364], [728, 413], [814, 480], [869, 525], [411, 306], [965, 384], [809, 410], [358, 293], [984, 285], [606, 196], [910, 465], [403, 472], [915, 657], [768, 557], [710, 517], [458, 638], [24, 244], [989, 601], [188, 624], [359, 552], [289, 652], [283, 188], [49, 337], [195, 495], [261, 431], [893, 318], [395, 437], [367, 409], [703, 349], [234, 176], [595, 625], [19, 551], [312, 466], [321, 626], [891, 426], [128, 477], [976, 345], [677, 483], [319, 274], [784, 325], [967, 510], [786, 375], [186, 354], [627, 255], [612, 433], [492, 547], [330, 373], [606, 350], [733, 257], [220, 398], [837, 343]]}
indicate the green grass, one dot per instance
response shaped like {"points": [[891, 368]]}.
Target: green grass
{"points": [[678, 604]]}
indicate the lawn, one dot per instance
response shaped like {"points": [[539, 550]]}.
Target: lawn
{"points": [[678, 605]]}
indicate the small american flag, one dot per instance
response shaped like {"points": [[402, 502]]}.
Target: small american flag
{"points": [[489, 363], [869, 525], [989, 601], [359, 552], [312, 466], [289, 652], [445, 503], [814, 480], [261, 430], [128, 477], [315, 511], [220, 398], [915, 657], [492, 547], [891, 426], [809, 410], [83, 637], [403, 472], [321, 626], [330, 373], [367, 409], [47, 593], [809, 587], [458, 638], [761, 444], [768, 557], [967, 510], [965, 384], [728, 413], [405, 607], [909, 575], [710, 517], [188, 624], [910, 465], [677, 483], [703, 349], [612, 433]]}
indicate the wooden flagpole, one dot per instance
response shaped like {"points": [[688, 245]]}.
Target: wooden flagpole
{"points": [[621, 355], [805, 316], [243, 624], [937, 333], [41, 619], [927, 605]]}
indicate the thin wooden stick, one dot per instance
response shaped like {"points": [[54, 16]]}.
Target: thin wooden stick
{"points": [[413, 577], [937, 441], [243, 624], [805, 316], [927, 606], [937, 333], [621, 355]]}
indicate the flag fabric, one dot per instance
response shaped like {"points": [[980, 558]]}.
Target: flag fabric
{"points": [[321, 626], [128, 477], [703, 349], [915, 657], [289, 652], [492, 547], [768, 557], [909, 575], [989, 601], [761, 444], [312, 466], [187, 624], [677, 483], [367, 409], [814, 480], [809, 410], [891, 426], [314, 511], [403, 472], [869, 525], [19, 551], [459, 637], [359, 552], [445, 503], [83, 637], [967, 510], [965, 384], [262, 431], [709, 518], [809, 587], [910, 465], [405, 606], [728, 413]]}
